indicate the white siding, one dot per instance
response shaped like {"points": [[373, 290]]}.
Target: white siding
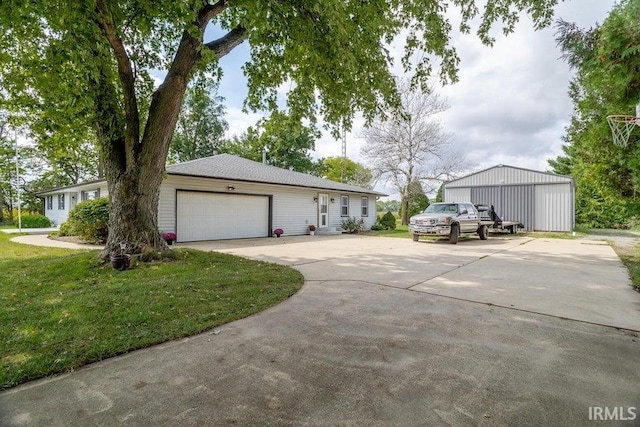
{"points": [[507, 175], [554, 207], [55, 214], [72, 198], [293, 207], [457, 195]]}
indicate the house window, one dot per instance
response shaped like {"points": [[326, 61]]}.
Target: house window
{"points": [[365, 206], [344, 205], [90, 195], [61, 201], [49, 202]]}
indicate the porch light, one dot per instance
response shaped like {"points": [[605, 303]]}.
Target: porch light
{"points": [[231, 188]]}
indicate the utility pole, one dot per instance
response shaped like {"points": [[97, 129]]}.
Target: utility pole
{"points": [[344, 153], [15, 141]]}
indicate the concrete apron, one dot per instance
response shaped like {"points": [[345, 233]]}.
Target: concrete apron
{"points": [[581, 280]]}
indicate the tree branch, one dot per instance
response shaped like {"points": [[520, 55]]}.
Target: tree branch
{"points": [[208, 11], [127, 78], [225, 44]]}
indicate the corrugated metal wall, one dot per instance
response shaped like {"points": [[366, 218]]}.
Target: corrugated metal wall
{"points": [[518, 204], [541, 201], [553, 202], [487, 196], [512, 202], [457, 195], [507, 175]]}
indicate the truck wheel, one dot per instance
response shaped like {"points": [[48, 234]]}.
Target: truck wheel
{"points": [[483, 232], [416, 236], [455, 233], [514, 229]]}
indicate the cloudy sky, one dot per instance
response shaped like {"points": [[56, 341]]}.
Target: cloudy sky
{"points": [[509, 107]]}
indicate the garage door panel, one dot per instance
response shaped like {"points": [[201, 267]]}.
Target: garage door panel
{"points": [[212, 216]]}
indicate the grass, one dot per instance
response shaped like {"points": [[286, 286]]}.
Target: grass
{"points": [[630, 256], [61, 309], [553, 234]]}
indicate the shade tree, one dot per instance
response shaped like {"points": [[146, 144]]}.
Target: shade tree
{"points": [[91, 61]]}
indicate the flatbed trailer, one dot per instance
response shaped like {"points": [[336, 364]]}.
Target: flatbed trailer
{"points": [[489, 215]]}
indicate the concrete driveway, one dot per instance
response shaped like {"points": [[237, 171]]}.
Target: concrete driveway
{"points": [[385, 332]]}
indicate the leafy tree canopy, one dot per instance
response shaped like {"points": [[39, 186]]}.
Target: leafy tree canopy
{"points": [[288, 143], [607, 82], [201, 124], [341, 169], [87, 64]]}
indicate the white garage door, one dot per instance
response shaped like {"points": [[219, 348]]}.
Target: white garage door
{"points": [[209, 216]]}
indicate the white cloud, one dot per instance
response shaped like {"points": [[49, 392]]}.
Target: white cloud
{"points": [[510, 105]]}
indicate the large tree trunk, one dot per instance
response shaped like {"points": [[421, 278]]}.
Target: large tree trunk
{"points": [[134, 166], [134, 211], [404, 207]]}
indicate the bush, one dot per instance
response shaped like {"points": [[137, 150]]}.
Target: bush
{"points": [[388, 221], [377, 227], [353, 225], [35, 221], [65, 229], [89, 220]]}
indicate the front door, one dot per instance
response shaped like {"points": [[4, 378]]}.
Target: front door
{"points": [[323, 210]]}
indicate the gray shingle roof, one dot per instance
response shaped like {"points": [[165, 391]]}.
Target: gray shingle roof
{"points": [[227, 166]]}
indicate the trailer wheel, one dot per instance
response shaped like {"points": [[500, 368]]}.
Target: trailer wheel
{"points": [[483, 232], [455, 234], [416, 237], [513, 229]]}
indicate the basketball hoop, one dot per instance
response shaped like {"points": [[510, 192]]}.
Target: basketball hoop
{"points": [[621, 128]]}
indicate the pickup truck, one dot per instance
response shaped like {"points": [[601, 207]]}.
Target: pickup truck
{"points": [[449, 219]]}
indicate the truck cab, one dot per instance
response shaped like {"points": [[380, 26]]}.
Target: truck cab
{"points": [[449, 219]]}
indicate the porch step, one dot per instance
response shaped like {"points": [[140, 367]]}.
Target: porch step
{"points": [[329, 231]]}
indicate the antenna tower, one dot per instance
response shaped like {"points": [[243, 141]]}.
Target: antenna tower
{"points": [[344, 153]]}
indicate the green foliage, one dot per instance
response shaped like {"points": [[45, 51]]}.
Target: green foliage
{"points": [[353, 225], [417, 200], [65, 229], [88, 312], [607, 177], [288, 143], [82, 71], [201, 124], [340, 169], [439, 195], [89, 220], [377, 227], [389, 205], [35, 221], [388, 221]]}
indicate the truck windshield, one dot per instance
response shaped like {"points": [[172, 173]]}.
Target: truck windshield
{"points": [[440, 208]]}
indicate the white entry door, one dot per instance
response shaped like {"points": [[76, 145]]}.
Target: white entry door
{"points": [[323, 210], [213, 216]]}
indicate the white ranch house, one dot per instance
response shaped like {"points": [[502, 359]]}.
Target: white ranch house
{"points": [[228, 197]]}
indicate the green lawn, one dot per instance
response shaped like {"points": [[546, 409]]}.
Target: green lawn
{"points": [[61, 309], [632, 261]]}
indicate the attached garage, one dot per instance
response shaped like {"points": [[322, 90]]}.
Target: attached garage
{"points": [[214, 216], [542, 201], [228, 197]]}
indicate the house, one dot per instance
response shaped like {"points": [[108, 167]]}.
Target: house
{"points": [[228, 197], [542, 201]]}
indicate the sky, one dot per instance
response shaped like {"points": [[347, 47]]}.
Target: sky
{"points": [[509, 107]]}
